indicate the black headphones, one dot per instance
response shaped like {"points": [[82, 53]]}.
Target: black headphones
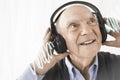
{"points": [[58, 40]]}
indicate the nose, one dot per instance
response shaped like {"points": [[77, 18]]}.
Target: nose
{"points": [[85, 29]]}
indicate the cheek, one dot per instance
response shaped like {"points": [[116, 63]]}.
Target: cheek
{"points": [[99, 36], [71, 42], [97, 33]]}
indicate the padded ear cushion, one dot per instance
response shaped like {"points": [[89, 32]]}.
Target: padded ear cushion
{"points": [[103, 33], [102, 27], [60, 44]]}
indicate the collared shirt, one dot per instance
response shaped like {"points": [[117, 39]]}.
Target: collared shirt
{"points": [[75, 74]]}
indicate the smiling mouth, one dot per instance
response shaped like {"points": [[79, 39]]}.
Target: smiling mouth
{"points": [[88, 42]]}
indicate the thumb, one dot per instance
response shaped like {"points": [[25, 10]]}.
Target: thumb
{"points": [[61, 56], [110, 43]]}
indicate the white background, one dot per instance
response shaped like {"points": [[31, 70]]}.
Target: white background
{"points": [[22, 26]]}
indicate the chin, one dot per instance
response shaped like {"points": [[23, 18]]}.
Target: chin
{"points": [[88, 53]]}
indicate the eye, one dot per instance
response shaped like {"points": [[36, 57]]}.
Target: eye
{"points": [[92, 21], [74, 26]]}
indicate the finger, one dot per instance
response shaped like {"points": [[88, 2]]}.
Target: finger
{"points": [[110, 43], [114, 34], [61, 56], [47, 31], [105, 19], [119, 23], [47, 37]]}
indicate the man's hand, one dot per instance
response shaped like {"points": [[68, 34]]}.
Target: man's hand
{"points": [[115, 34], [53, 60], [114, 43]]}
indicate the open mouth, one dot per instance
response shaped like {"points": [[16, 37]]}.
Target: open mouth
{"points": [[88, 42]]}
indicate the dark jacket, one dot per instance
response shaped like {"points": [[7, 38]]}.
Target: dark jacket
{"points": [[109, 68]]}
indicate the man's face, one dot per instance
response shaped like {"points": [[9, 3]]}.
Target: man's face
{"points": [[80, 29]]}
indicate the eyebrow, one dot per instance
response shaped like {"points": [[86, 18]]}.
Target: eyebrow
{"points": [[94, 14], [72, 21]]}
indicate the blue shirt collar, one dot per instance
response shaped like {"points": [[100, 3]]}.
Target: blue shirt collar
{"points": [[75, 74]]}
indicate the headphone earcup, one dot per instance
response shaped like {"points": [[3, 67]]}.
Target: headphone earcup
{"points": [[102, 27], [103, 33], [60, 44]]}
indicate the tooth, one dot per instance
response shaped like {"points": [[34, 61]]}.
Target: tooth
{"points": [[88, 42]]}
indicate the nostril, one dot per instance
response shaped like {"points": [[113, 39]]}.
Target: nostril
{"points": [[85, 31]]}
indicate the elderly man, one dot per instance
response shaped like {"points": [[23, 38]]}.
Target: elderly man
{"points": [[79, 26]]}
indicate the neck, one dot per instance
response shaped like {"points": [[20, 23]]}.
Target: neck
{"points": [[82, 64]]}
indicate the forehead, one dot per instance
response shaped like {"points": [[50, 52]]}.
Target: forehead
{"points": [[77, 10], [80, 8], [74, 14]]}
